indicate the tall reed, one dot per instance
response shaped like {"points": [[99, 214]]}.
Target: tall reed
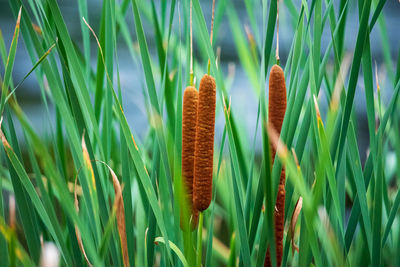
{"points": [[204, 145], [189, 119], [276, 113]]}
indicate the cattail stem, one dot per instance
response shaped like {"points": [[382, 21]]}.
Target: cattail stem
{"points": [[199, 241], [191, 78], [211, 34], [191, 46], [212, 22], [277, 33]]}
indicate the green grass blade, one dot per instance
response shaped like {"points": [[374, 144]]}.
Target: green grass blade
{"points": [[24, 179], [362, 32], [155, 111], [10, 63], [10, 235], [174, 248], [25, 208]]}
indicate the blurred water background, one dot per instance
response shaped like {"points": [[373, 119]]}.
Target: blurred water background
{"points": [[244, 101]]}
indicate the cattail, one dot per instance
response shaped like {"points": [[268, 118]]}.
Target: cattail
{"points": [[276, 113], [189, 118], [204, 145], [277, 101], [279, 218]]}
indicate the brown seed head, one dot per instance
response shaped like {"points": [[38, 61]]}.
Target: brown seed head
{"points": [[277, 100], [204, 145], [276, 114], [189, 118]]}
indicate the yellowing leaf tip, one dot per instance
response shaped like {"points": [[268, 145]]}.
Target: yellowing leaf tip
{"points": [[19, 17]]}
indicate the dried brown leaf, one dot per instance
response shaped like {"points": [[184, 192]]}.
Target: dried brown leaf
{"points": [[293, 222], [77, 233], [3, 138], [120, 216]]}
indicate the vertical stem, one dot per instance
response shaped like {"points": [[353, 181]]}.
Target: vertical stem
{"points": [[191, 46], [277, 32], [199, 240], [212, 22], [211, 34], [146, 264], [378, 89]]}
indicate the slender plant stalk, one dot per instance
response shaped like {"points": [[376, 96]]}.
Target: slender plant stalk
{"points": [[199, 240]]}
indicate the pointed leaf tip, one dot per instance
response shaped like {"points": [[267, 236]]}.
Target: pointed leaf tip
{"points": [[19, 17]]}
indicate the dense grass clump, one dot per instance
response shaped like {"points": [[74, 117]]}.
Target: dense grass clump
{"points": [[301, 171]]}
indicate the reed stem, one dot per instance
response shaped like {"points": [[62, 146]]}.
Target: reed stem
{"points": [[199, 240]]}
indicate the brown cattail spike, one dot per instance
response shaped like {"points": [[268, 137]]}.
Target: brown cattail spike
{"points": [[204, 145], [189, 118], [276, 114], [279, 226], [277, 101]]}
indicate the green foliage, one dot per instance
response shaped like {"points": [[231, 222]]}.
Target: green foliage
{"points": [[349, 212]]}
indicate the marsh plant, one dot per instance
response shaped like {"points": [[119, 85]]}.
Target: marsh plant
{"points": [[200, 184]]}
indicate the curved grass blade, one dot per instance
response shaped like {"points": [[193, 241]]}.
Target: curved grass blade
{"points": [[368, 169], [31, 192], [362, 32], [25, 209], [156, 110], [32, 69], [50, 171], [174, 248], [10, 63]]}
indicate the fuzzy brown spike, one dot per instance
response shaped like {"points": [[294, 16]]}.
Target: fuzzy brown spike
{"points": [[189, 119], [279, 226], [204, 146], [276, 101], [276, 114]]}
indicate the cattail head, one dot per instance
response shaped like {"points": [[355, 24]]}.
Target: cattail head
{"points": [[189, 119], [276, 114], [204, 145], [276, 103], [277, 98]]}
